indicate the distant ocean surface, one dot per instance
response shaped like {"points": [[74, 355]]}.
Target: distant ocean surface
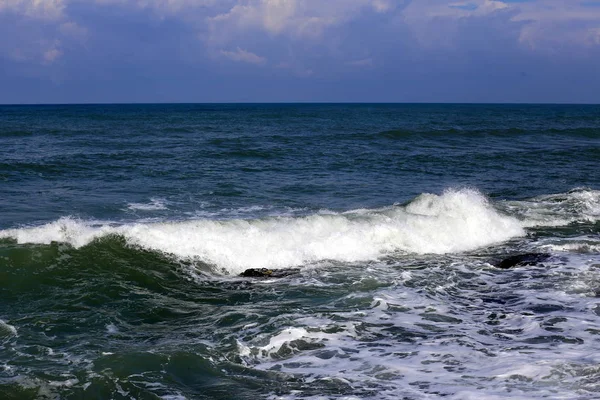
{"points": [[124, 228]]}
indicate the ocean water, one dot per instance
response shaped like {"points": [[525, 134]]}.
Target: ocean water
{"points": [[124, 228]]}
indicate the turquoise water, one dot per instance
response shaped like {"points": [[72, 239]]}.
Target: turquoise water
{"points": [[124, 228]]}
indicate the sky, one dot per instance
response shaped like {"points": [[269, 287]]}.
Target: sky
{"points": [[123, 51]]}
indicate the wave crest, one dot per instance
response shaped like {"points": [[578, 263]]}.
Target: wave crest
{"points": [[457, 220], [579, 205]]}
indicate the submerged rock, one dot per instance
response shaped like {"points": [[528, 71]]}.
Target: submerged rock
{"points": [[521, 260], [268, 273]]}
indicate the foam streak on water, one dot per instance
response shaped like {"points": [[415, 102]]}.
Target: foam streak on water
{"points": [[153, 205], [415, 340]]}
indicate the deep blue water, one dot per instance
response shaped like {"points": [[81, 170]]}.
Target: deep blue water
{"points": [[90, 161], [123, 229]]}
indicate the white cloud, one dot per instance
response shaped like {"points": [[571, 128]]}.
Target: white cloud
{"points": [[294, 18], [73, 30], [167, 7], [305, 32], [42, 9], [549, 11], [429, 9], [36, 28], [52, 55], [33, 49], [382, 5], [241, 55], [558, 23], [543, 24]]}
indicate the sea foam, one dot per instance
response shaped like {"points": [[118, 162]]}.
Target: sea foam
{"points": [[576, 206], [155, 204], [456, 221]]}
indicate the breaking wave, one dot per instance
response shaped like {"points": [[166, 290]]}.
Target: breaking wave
{"points": [[455, 221], [579, 205]]}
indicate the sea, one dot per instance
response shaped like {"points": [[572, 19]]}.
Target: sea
{"points": [[124, 230]]}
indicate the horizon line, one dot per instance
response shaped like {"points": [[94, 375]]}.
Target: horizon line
{"points": [[300, 103]]}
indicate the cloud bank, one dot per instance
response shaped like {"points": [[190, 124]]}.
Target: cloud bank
{"points": [[299, 50]]}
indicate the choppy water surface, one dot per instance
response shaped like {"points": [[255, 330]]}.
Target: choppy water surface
{"points": [[123, 230]]}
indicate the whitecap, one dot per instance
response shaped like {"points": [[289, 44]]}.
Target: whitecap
{"points": [[155, 204], [456, 221], [576, 206]]}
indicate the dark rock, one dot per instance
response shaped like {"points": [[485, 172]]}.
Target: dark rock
{"points": [[257, 273], [268, 273], [522, 260]]}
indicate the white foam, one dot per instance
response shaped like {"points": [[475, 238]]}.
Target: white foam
{"points": [[460, 359], [7, 330], [65, 383], [65, 230], [456, 221], [585, 244], [284, 338], [574, 247], [248, 212], [155, 204], [576, 206]]}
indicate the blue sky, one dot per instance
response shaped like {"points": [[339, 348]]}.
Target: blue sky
{"points": [[81, 51]]}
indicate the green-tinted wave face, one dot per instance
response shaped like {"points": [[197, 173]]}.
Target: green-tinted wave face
{"points": [[110, 321], [106, 319]]}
